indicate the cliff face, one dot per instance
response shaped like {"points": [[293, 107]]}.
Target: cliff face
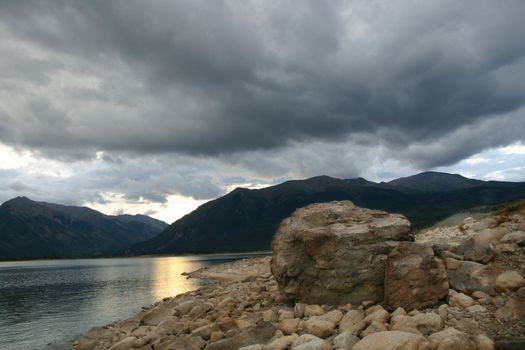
{"points": [[30, 229], [245, 220]]}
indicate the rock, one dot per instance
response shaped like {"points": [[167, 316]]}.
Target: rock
{"points": [[471, 250], [269, 316], [509, 343], [184, 307], [483, 342], [333, 316], [393, 340], [481, 297], [321, 251], [460, 300], [170, 326], [204, 331], [428, 323], [252, 347], [345, 340], [398, 311], [310, 342], [404, 323], [299, 310], [259, 334], [216, 336], [451, 263], [281, 343], [451, 339], [471, 276], [476, 309], [506, 248], [509, 281], [199, 311], [319, 327], [517, 237], [313, 310], [380, 315], [156, 315], [374, 327], [285, 314], [514, 308], [353, 322], [124, 344], [227, 303], [414, 277], [289, 326]]}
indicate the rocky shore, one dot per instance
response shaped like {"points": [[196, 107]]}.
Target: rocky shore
{"points": [[481, 263]]}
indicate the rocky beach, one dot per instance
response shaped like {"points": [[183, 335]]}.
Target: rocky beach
{"points": [[343, 277]]}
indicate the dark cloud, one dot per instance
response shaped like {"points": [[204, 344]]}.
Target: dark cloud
{"points": [[212, 78], [152, 98]]}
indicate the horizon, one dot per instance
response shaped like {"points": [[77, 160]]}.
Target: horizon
{"points": [[104, 107], [120, 212]]}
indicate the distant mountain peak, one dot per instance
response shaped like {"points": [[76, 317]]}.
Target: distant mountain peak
{"points": [[434, 181]]}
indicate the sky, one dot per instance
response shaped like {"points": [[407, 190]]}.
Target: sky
{"points": [[155, 107]]}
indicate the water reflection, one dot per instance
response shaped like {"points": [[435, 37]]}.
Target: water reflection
{"points": [[45, 304]]}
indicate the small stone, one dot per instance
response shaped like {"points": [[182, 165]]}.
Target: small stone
{"points": [[333, 316], [282, 343], [451, 263], [393, 340], [319, 327], [460, 300], [380, 316], [509, 281], [289, 325], [310, 342], [398, 311], [374, 327], [215, 336], [353, 322], [483, 342], [482, 297], [451, 339], [345, 340], [298, 310], [428, 323], [269, 316], [313, 310], [476, 309], [284, 314], [252, 347]]}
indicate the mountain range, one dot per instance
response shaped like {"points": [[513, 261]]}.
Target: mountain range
{"points": [[242, 220], [30, 230], [246, 219]]}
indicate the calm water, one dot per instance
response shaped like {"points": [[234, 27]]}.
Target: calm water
{"points": [[45, 304]]}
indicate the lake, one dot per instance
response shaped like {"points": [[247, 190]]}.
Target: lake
{"points": [[45, 304]]}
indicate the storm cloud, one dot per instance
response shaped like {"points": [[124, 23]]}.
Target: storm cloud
{"points": [[267, 90]]}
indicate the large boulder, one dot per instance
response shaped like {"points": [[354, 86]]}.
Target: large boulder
{"points": [[414, 277], [335, 253]]}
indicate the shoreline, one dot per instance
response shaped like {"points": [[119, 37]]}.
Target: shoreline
{"points": [[251, 253]]}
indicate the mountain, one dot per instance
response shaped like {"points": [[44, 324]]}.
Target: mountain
{"points": [[431, 181], [30, 229], [246, 219]]}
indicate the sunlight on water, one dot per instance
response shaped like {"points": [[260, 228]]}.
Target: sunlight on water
{"points": [[46, 304]]}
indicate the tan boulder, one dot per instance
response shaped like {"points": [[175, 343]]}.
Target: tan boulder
{"points": [[414, 277], [334, 253], [289, 325]]}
